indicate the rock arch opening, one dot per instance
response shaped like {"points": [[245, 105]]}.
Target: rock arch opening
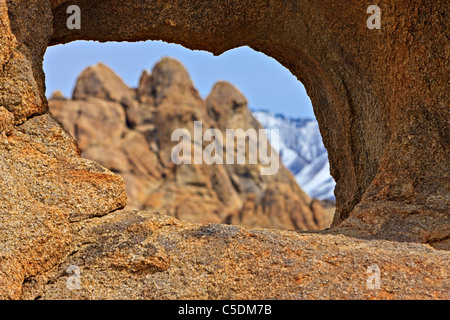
{"points": [[329, 73], [127, 129], [364, 98]]}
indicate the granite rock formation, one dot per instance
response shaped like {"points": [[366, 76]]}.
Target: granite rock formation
{"points": [[44, 184], [142, 255], [381, 100], [129, 132]]}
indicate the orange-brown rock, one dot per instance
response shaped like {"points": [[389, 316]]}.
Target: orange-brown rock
{"points": [[143, 255], [26, 29], [381, 99], [44, 188], [81, 120]]}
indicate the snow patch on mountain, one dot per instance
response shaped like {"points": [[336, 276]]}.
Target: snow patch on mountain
{"points": [[302, 151]]}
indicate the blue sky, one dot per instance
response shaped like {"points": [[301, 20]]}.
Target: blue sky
{"points": [[266, 83]]}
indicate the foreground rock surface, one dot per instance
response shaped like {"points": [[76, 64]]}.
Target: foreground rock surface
{"points": [[44, 187], [145, 255], [44, 184]]}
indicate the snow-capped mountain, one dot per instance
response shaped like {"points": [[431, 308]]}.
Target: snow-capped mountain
{"points": [[302, 151]]}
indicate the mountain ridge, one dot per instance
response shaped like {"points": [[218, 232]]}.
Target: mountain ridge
{"points": [[302, 152]]}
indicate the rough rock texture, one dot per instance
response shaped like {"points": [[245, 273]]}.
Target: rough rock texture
{"points": [[44, 185], [143, 255], [129, 132], [381, 99]]}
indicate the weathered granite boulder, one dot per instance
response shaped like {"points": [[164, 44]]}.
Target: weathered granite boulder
{"points": [[144, 255]]}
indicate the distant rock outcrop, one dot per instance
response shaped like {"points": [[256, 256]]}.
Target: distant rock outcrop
{"points": [[129, 132]]}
